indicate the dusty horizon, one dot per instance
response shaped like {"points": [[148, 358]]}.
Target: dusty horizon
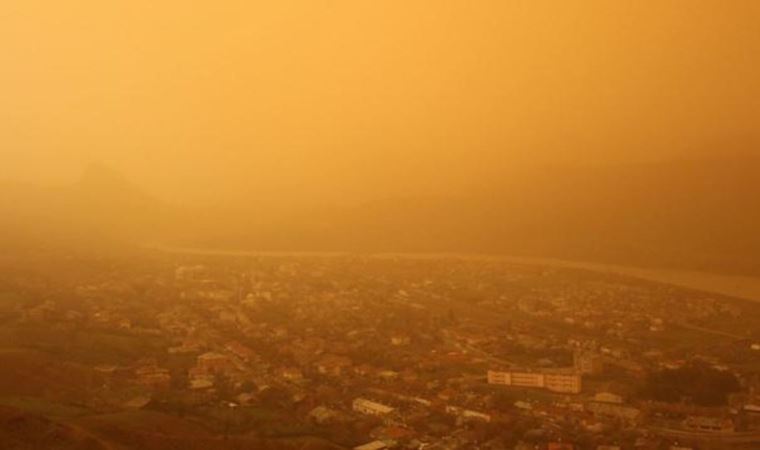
{"points": [[347, 101]]}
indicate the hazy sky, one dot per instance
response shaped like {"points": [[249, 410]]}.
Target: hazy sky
{"points": [[354, 98]]}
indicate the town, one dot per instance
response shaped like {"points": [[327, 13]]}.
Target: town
{"points": [[386, 351]]}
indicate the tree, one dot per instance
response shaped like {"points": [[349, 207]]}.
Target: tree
{"points": [[702, 384]]}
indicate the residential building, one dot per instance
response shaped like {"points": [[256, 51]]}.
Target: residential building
{"points": [[213, 362], [374, 445], [369, 407], [709, 424], [563, 382]]}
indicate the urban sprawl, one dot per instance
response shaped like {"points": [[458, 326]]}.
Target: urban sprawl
{"points": [[374, 352]]}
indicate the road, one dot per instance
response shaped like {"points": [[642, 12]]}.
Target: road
{"points": [[724, 438]]}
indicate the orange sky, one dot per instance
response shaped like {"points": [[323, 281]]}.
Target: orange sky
{"points": [[349, 99]]}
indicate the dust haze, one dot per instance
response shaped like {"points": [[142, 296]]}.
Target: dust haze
{"points": [[396, 224], [342, 102], [333, 126]]}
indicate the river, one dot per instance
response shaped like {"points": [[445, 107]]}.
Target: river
{"points": [[744, 287]]}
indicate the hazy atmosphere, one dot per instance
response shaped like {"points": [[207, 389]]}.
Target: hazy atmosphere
{"points": [[312, 103], [380, 225]]}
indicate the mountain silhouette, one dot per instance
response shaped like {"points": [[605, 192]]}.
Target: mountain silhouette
{"points": [[685, 214], [101, 207]]}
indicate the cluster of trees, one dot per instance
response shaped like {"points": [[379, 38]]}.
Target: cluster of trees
{"points": [[696, 382]]}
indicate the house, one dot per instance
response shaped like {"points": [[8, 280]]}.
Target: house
{"points": [[221, 295], [374, 445], [322, 415], [392, 433], [138, 402], [187, 346], [559, 446], [608, 397], [400, 340], [387, 375], [364, 370], [184, 273], [709, 424], [613, 411], [212, 362], [333, 365], [292, 374], [241, 351], [468, 414], [369, 407], [525, 406], [153, 376], [447, 394], [201, 382]]}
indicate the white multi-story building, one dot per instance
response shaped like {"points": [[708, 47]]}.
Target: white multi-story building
{"points": [[568, 383], [564, 382]]}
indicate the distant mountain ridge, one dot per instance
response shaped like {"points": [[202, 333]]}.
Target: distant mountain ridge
{"points": [[681, 214], [102, 207]]}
